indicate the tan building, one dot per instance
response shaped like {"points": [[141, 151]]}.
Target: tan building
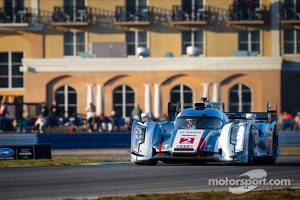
{"points": [[123, 53]]}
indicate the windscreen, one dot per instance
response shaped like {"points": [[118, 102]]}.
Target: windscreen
{"points": [[198, 122]]}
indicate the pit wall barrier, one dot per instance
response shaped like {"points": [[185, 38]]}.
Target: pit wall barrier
{"points": [[69, 140], [100, 140]]}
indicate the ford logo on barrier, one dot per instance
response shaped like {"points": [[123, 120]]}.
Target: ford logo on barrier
{"points": [[6, 152]]}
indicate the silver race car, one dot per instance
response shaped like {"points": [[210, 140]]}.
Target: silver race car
{"points": [[206, 134]]}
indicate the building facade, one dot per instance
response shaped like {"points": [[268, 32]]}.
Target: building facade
{"points": [[123, 53]]}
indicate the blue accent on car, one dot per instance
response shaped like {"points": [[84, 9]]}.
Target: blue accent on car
{"points": [[6, 152]]}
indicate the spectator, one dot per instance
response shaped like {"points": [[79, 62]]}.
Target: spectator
{"points": [[77, 122], [287, 121], [44, 110], [236, 11], [136, 113], [72, 128], [91, 109], [41, 122], [113, 118], [23, 123], [39, 125], [53, 120], [296, 122], [104, 123], [3, 113], [250, 9], [93, 123]]}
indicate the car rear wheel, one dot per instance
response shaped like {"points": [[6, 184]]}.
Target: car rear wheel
{"points": [[272, 159], [250, 151]]}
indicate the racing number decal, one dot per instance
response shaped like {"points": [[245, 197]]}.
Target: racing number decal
{"points": [[186, 140]]}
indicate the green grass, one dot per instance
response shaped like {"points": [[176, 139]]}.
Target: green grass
{"points": [[55, 162], [285, 194]]}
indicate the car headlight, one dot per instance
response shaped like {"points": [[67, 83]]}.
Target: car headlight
{"points": [[237, 138], [137, 136]]}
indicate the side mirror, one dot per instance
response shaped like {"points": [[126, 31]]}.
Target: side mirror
{"points": [[146, 116], [251, 116]]}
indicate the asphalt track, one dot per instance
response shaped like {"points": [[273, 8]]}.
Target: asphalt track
{"points": [[103, 179], [119, 179]]}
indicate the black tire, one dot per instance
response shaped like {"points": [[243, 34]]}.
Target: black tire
{"points": [[272, 159], [250, 151]]}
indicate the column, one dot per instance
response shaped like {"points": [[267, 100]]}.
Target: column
{"points": [[147, 98], [206, 90], [89, 98], [156, 100], [216, 92], [66, 100], [275, 25], [99, 99]]}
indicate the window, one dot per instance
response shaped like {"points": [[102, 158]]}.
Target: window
{"points": [[292, 41], [10, 74], [66, 98], [192, 38], [71, 8], [135, 7], [74, 42], [249, 41], [240, 98], [11, 8], [134, 40], [291, 9], [192, 6], [123, 100], [183, 94]]}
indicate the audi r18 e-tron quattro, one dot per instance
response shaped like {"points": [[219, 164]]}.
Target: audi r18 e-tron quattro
{"points": [[205, 133]]}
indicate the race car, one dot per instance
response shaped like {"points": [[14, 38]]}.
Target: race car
{"points": [[205, 133]]}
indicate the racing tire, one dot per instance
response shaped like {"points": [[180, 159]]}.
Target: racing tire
{"points": [[272, 159], [250, 158], [148, 162]]}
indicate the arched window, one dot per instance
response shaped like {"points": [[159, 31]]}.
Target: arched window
{"points": [[123, 100], [240, 98], [183, 94], [66, 98]]}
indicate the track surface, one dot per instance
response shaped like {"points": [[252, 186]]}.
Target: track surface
{"points": [[91, 181]]}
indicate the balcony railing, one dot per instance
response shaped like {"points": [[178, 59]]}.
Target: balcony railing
{"points": [[196, 15], [70, 14], [242, 13], [290, 12], [14, 15], [140, 14]]}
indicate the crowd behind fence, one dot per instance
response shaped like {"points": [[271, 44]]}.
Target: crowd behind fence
{"points": [[32, 122]]}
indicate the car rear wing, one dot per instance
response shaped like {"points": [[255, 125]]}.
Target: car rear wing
{"points": [[269, 116]]}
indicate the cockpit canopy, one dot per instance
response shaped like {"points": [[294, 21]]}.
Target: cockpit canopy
{"points": [[198, 122]]}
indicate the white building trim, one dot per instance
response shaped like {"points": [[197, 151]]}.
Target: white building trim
{"points": [[75, 64]]}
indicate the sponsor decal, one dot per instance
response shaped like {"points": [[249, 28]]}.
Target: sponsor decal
{"points": [[185, 146], [6, 152], [193, 132]]}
